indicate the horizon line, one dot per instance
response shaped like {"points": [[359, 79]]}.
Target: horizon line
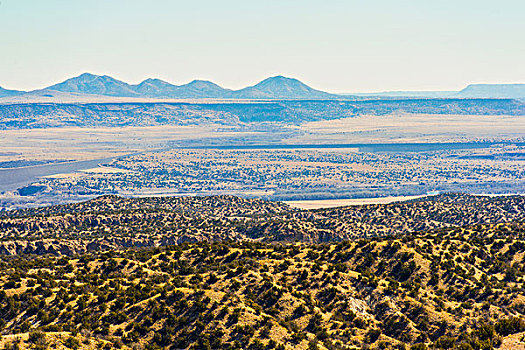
{"points": [[380, 91]]}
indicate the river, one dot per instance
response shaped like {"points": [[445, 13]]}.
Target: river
{"points": [[14, 178]]}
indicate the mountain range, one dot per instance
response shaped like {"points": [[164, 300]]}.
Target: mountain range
{"points": [[278, 87]]}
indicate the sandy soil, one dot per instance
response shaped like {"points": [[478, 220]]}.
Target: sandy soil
{"points": [[415, 128], [105, 170], [332, 203], [513, 342], [91, 143]]}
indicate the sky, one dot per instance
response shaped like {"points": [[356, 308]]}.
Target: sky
{"points": [[333, 45]]}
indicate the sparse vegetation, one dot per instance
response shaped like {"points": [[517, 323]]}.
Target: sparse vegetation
{"points": [[111, 222], [443, 288]]}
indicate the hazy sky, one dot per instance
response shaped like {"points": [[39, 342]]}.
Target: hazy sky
{"points": [[334, 45]]}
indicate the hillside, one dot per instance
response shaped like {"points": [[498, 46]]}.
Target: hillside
{"points": [[9, 93], [460, 288], [107, 114], [111, 222], [224, 272]]}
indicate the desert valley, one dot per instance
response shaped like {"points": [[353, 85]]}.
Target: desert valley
{"points": [[257, 175]]}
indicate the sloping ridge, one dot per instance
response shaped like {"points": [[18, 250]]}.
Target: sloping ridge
{"points": [[10, 93]]}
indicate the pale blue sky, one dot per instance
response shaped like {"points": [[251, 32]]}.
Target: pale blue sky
{"points": [[334, 45]]}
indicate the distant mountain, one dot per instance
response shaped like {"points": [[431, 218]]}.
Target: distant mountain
{"points": [[87, 86], [95, 85], [9, 93], [202, 89], [281, 87], [417, 94], [513, 91], [155, 88], [493, 91], [272, 88]]}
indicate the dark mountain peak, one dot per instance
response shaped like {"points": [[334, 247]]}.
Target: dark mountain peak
{"points": [[202, 89], [204, 85], [157, 88], [89, 77], [88, 83], [86, 75], [154, 81], [282, 87], [283, 81], [279, 78], [199, 82]]}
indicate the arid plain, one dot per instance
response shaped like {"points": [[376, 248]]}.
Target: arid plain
{"points": [[286, 162]]}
